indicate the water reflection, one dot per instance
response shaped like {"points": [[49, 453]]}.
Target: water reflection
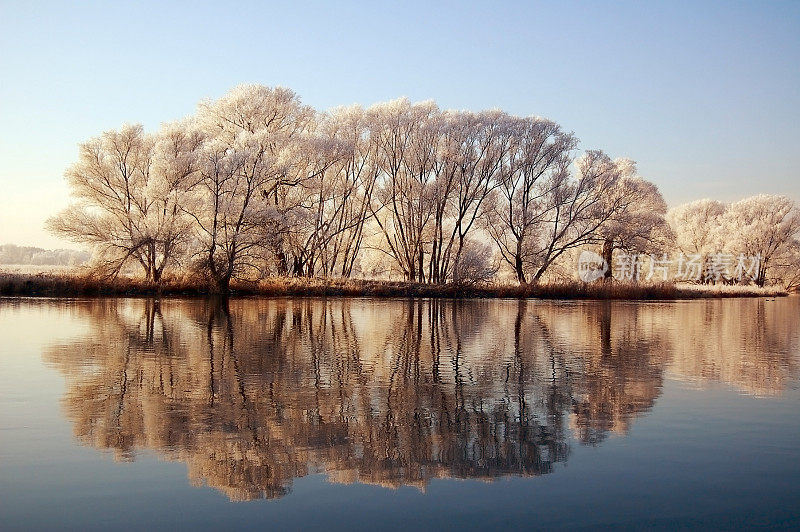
{"points": [[252, 394]]}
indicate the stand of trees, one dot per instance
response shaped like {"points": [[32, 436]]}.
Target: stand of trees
{"points": [[256, 183], [763, 226]]}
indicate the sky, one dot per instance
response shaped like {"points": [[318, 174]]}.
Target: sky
{"points": [[705, 96]]}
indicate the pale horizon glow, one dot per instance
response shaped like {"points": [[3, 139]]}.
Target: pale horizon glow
{"points": [[704, 97]]}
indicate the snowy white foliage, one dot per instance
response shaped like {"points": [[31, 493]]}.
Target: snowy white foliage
{"points": [[696, 225], [764, 226], [257, 183]]}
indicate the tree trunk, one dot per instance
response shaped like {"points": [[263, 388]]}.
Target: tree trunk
{"points": [[223, 284], [280, 260], [761, 278], [608, 255], [421, 266], [518, 268]]}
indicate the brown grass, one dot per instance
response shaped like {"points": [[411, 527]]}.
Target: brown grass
{"points": [[82, 285]]}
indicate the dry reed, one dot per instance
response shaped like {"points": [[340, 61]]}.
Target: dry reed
{"points": [[83, 285]]}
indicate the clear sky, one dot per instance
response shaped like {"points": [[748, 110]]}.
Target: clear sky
{"points": [[704, 95]]}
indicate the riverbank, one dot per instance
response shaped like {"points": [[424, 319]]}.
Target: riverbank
{"points": [[81, 285]]}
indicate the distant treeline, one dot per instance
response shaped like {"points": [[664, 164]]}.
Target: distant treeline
{"points": [[25, 255]]}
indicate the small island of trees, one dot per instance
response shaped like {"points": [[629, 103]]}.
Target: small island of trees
{"points": [[258, 185]]}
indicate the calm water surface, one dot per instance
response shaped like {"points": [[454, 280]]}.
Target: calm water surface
{"points": [[359, 414]]}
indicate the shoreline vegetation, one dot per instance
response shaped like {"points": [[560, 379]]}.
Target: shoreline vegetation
{"points": [[86, 285]]}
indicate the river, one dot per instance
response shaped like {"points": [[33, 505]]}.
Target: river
{"points": [[363, 414]]}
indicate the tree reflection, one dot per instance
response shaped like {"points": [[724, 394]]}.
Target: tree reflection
{"points": [[251, 394]]}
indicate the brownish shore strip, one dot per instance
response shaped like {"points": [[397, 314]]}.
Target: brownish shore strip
{"points": [[65, 285]]}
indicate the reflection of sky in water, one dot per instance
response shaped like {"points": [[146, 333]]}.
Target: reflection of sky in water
{"points": [[581, 413]]}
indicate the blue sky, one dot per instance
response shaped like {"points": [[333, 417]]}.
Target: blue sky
{"points": [[704, 95]]}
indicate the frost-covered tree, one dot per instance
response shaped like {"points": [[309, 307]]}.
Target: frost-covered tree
{"points": [[636, 215], [487, 139], [523, 201], [341, 197], [697, 229], [475, 263], [577, 205], [764, 226], [403, 202], [435, 171], [785, 267], [259, 148], [696, 225], [129, 207], [174, 171]]}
